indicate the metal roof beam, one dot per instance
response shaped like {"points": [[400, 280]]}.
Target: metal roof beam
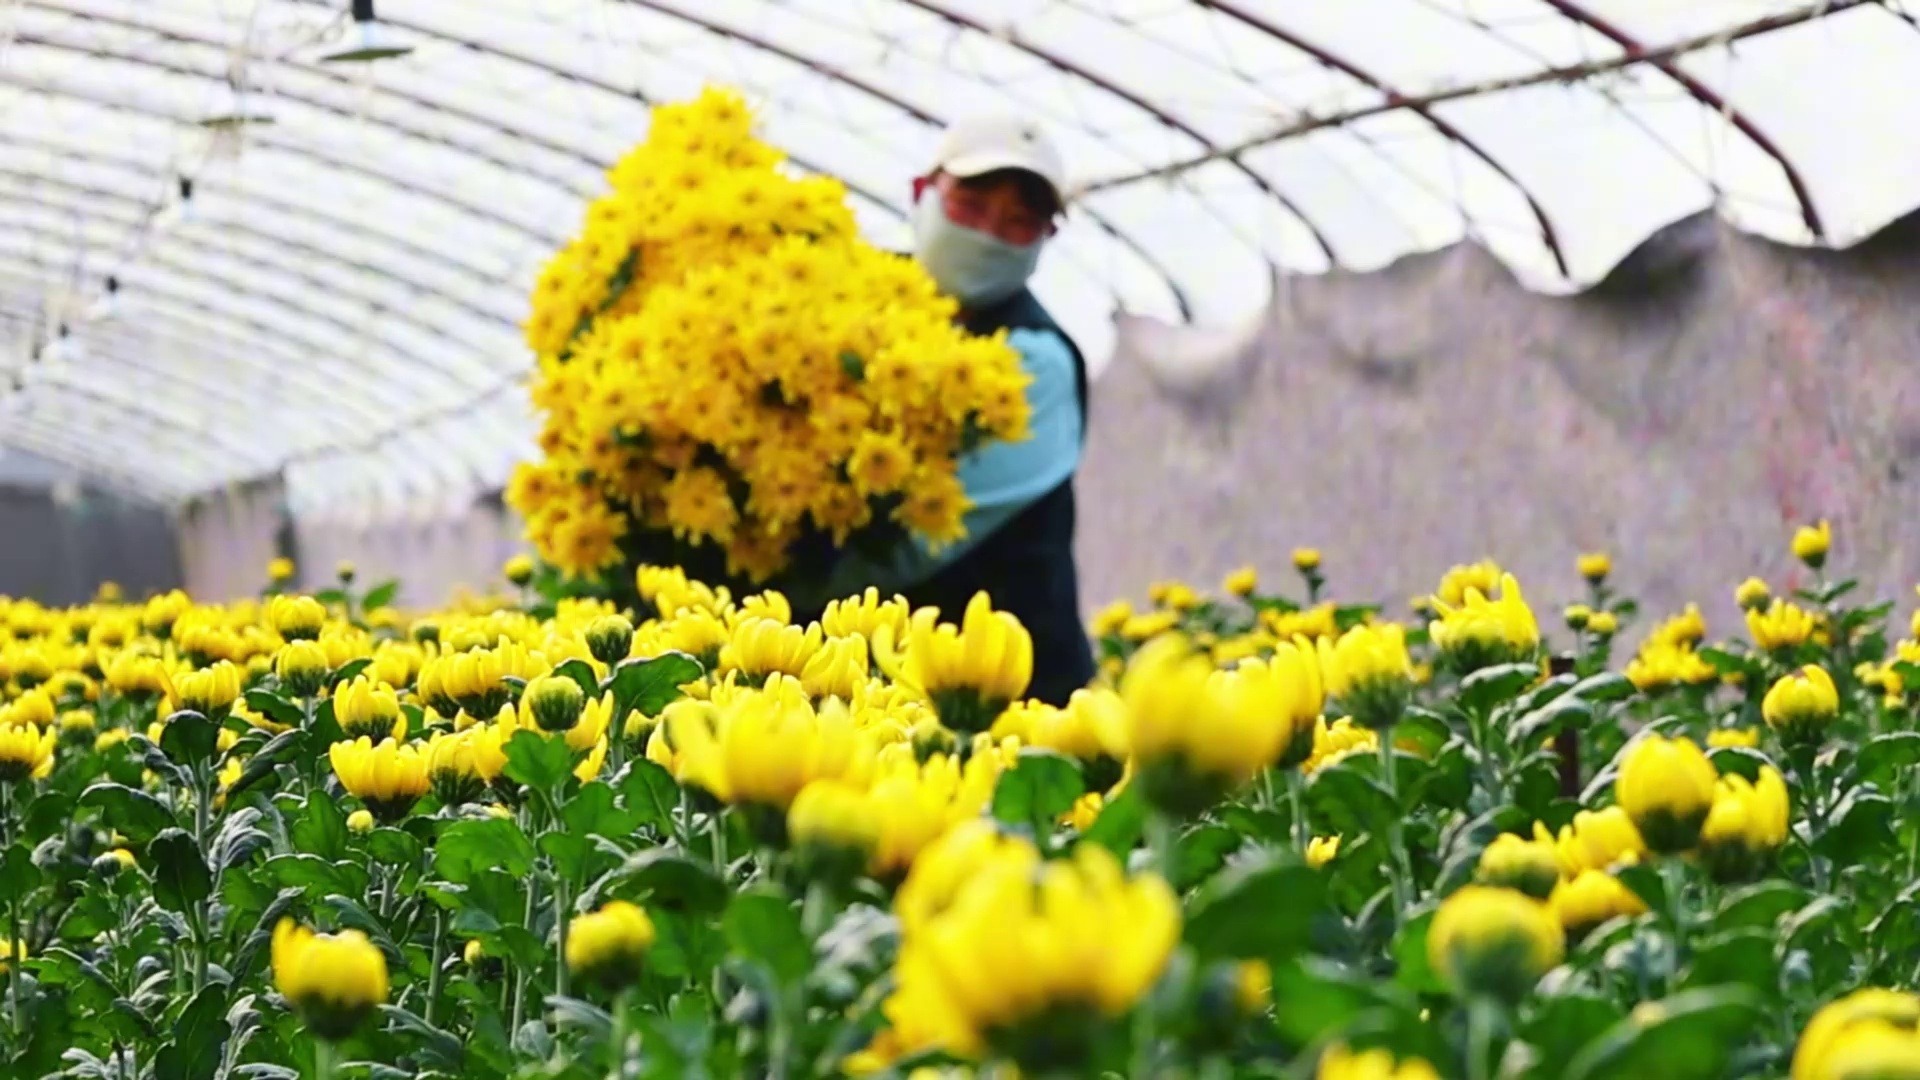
{"points": [[90, 201], [1568, 73], [198, 309], [1707, 96], [273, 293], [1271, 27]]}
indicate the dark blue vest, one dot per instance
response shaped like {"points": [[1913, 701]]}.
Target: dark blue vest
{"points": [[1026, 566]]}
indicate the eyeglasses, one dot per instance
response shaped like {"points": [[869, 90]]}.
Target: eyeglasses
{"points": [[998, 212]]}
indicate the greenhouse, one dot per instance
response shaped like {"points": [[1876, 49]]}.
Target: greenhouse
{"points": [[818, 538]]}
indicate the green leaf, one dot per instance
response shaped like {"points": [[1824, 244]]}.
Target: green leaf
{"points": [[466, 848], [650, 793], [438, 1048], [1883, 757], [321, 829], [180, 875], [1320, 998], [1037, 790], [764, 926], [189, 738], [313, 874], [1606, 686], [1491, 685], [1859, 827], [568, 852], [1739, 760], [650, 685], [1745, 957], [541, 762], [1346, 799], [1120, 824], [393, 847], [1567, 710], [1201, 852], [660, 876], [1685, 1037], [1561, 1025], [261, 765], [1759, 906], [591, 812], [380, 595], [1261, 909], [137, 815], [348, 672], [199, 1036], [274, 707], [1410, 953], [1645, 882], [582, 674], [18, 875]]}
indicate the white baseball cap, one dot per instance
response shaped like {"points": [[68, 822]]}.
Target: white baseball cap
{"points": [[978, 145]]}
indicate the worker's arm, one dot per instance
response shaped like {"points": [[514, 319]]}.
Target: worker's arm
{"points": [[1001, 478]]}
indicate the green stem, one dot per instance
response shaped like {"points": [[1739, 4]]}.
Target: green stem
{"points": [[1401, 872], [1801, 758], [12, 945], [1297, 795], [520, 973], [717, 823], [323, 1064], [1673, 875], [619, 1043], [1481, 1021], [560, 904], [434, 962]]}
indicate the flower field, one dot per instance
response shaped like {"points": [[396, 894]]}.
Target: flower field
{"points": [[536, 836]]}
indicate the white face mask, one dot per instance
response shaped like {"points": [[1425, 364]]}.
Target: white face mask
{"points": [[969, 265]]}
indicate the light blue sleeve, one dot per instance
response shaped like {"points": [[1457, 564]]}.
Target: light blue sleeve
{"points": [[1002, 479]]}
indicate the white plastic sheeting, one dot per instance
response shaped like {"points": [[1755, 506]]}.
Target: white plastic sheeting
{"points": [[338, 299]]}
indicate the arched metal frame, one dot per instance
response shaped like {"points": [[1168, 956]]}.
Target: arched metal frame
{"points": [[401, 322]]}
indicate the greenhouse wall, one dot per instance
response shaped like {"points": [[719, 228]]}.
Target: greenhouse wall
{"points": [[60, 537], [1712, 394]]}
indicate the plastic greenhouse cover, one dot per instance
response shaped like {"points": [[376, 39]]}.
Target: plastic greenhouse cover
{"points": [[338, 301]]}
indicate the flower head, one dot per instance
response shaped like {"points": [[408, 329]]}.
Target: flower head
{"points": [[366, 709], [1595, 566], [1748, 823], [1667, 787], [971, 671], [1322, 850], [1368, 670], [334, 980], [296, 618], [1340, 1063], [1494, 941], [1306, 559], [1480, 632], [1810, 543], [1752, 593], [1780, 625], [1241, 582], [1591, 898], [388, 777], [609, 946], [1530, 866], [26, 751], [1866, 1035], [210, 691], [301, 667], [1801, 705], [518, 570]]}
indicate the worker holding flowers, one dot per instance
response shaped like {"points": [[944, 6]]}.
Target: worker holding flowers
{"points": [[981, 218]]}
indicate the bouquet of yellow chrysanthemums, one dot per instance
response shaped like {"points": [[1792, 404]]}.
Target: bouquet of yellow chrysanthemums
{"points": [[730, 377]]}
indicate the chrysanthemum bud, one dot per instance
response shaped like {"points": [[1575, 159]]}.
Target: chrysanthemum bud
{"points": [[608, 638], [553, 703]]}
